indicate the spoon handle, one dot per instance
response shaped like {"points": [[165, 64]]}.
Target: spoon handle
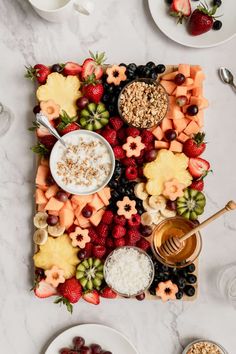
{"points": [[233, 86], [231, 205], [43, 120]]}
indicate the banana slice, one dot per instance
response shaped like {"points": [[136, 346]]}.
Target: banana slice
{"points": [[168, 213], [147, 207], [147, 219], [157, 218], [40, 237], [56, 230], [40, 220], [157, 202], [140, 191]]}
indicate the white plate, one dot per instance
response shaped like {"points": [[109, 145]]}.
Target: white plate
{"points": [[108, 338], [178, 33]]}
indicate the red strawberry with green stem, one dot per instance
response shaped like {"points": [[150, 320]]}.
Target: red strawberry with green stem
{"points": [[108, 293], [93, 89], [202, 20], [43, 290], [39, 72], [70, 291], [195, 146], [71, 68], [67, 124], [181, 9], [198, 167], [92, 297], [198, 185], [93, 65]]}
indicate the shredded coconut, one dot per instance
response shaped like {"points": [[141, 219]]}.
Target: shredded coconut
{"points": [[128, 271]]}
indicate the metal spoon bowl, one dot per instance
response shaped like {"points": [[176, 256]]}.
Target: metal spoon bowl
{"points": [[227, 77], [43, 120]]}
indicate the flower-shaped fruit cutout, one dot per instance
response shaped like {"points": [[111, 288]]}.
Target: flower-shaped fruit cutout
{"points": [[55, 276], [50, 109], [167, 290], [173, 189], [126, 207], [116, 74], [79, 237], [133, 146]]}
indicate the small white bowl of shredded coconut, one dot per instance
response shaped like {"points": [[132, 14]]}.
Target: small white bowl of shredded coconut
{"points": [[129, 271]]}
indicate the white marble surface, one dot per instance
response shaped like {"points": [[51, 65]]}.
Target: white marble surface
{"points": [[125, 30]]}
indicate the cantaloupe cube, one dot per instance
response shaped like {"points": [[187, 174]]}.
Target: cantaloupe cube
{"points": [[82, 199], [172, 100], [76, 222], [194, 69], [184, 69], [166, 124], [169, 86], [180, 124], [177, 113], [78, 210], [42, 174], [169, 114], [44, 161], [52, 191], [181, 91], [40, 197], [96, 202], [176, 146], [68, 205], [182, 137], [170, 76], [66, 217], [197, 91], [188, 82], [107, 191], [200, 119], [84, 224], [158, 133], [54, 204], [192, 128], [43, 188], [41, 207], [201, 102], [82, 221], [74, 205], [97, 217], [161, 144], [53, 212], [103, 197], [199, 77]]}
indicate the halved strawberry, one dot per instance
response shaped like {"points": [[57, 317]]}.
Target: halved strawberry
{"points": [[108, 293], [180, 9], [92, 297], [198, 167], [93, 65], [71, 68], [67, 124], [44, 290]]}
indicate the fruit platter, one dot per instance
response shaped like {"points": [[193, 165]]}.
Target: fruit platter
{"points": [[130, 169]]}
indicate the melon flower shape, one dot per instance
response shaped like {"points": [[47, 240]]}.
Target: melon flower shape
{"points": [[55, 276], [167, 290], [58, 251], [50, 109], [64, 91], [116, 74], [165, 167], [79, 237], [133, 146], [126, 207], [173, 189]]}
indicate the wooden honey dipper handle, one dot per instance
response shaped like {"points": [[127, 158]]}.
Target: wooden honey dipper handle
{"points": [[231, 205]]}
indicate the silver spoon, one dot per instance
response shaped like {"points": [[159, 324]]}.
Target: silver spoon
{"points": [[227, 77], [43, 120]]}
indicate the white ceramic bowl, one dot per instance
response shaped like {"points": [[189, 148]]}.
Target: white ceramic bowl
{"points": [[205, 341], [57, 151]]}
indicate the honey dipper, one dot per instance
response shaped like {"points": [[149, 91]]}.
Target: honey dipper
{"points": [[174, 245]]}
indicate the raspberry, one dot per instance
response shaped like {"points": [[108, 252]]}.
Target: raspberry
{"points": [[88, 249], [131, 173], [140, 172], [118, 231], [119, 220], [132, 131], [128, 161], [109, 135], [71, 229], [134, 221], [149, 146], [101, 241], [120, 242], [99, 251], [92, 234], [109, 242], [121, 135], [102, 230], [107, 217], [133, 236], [119, 152], [143, 244], [147, 136], [116, 122]]}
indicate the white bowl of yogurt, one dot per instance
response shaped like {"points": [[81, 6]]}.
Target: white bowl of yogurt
{"points": [[85, 165]]}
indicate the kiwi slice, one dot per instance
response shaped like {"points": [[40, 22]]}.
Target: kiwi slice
{"points": [[192, 204], [90, 273], [94, 116]]}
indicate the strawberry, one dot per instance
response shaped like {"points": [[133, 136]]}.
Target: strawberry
{"points": [[70, 291], [181, 9], [107, 217], [109, 135], [41, 131], [195, 147], [71, 68], [67, 124], [198, 167], [48, 141], [93, 65], [93, 90], [118, 231], [119, 152], [39, 72], [92, 297], [44, 290], [116, 122], [99, 251], [198, 185], [201, 20], [108, 293]]}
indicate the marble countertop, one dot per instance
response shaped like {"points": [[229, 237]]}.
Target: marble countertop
{"points": [[125, 30]]}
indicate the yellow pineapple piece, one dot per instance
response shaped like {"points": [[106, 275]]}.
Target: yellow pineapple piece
{"points": [[165, 167], [62, 90], [58, 252]]}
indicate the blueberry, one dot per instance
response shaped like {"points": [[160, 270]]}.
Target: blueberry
{"points": [[160, 69], [217, 25], [165, 268], [113, 100], [189, 290], [123, 180], [57, 68], [140, 211], [217, 3], [110, 89], [179, 295], [106, 98], [121, 190], [117, 172], [190, 268], [153, 74], [115, 195], [152, 290], [166, 276], [169, 2], [146, 71], [191, 279], [111, 108], [151, 65], [132, 67], [139, 204], [122, 64], [113, 184], [140, 70], [130, 74]]}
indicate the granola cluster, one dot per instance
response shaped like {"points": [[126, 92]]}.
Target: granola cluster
{"points": [[143, 105], [84, 164], [204, 348]]}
